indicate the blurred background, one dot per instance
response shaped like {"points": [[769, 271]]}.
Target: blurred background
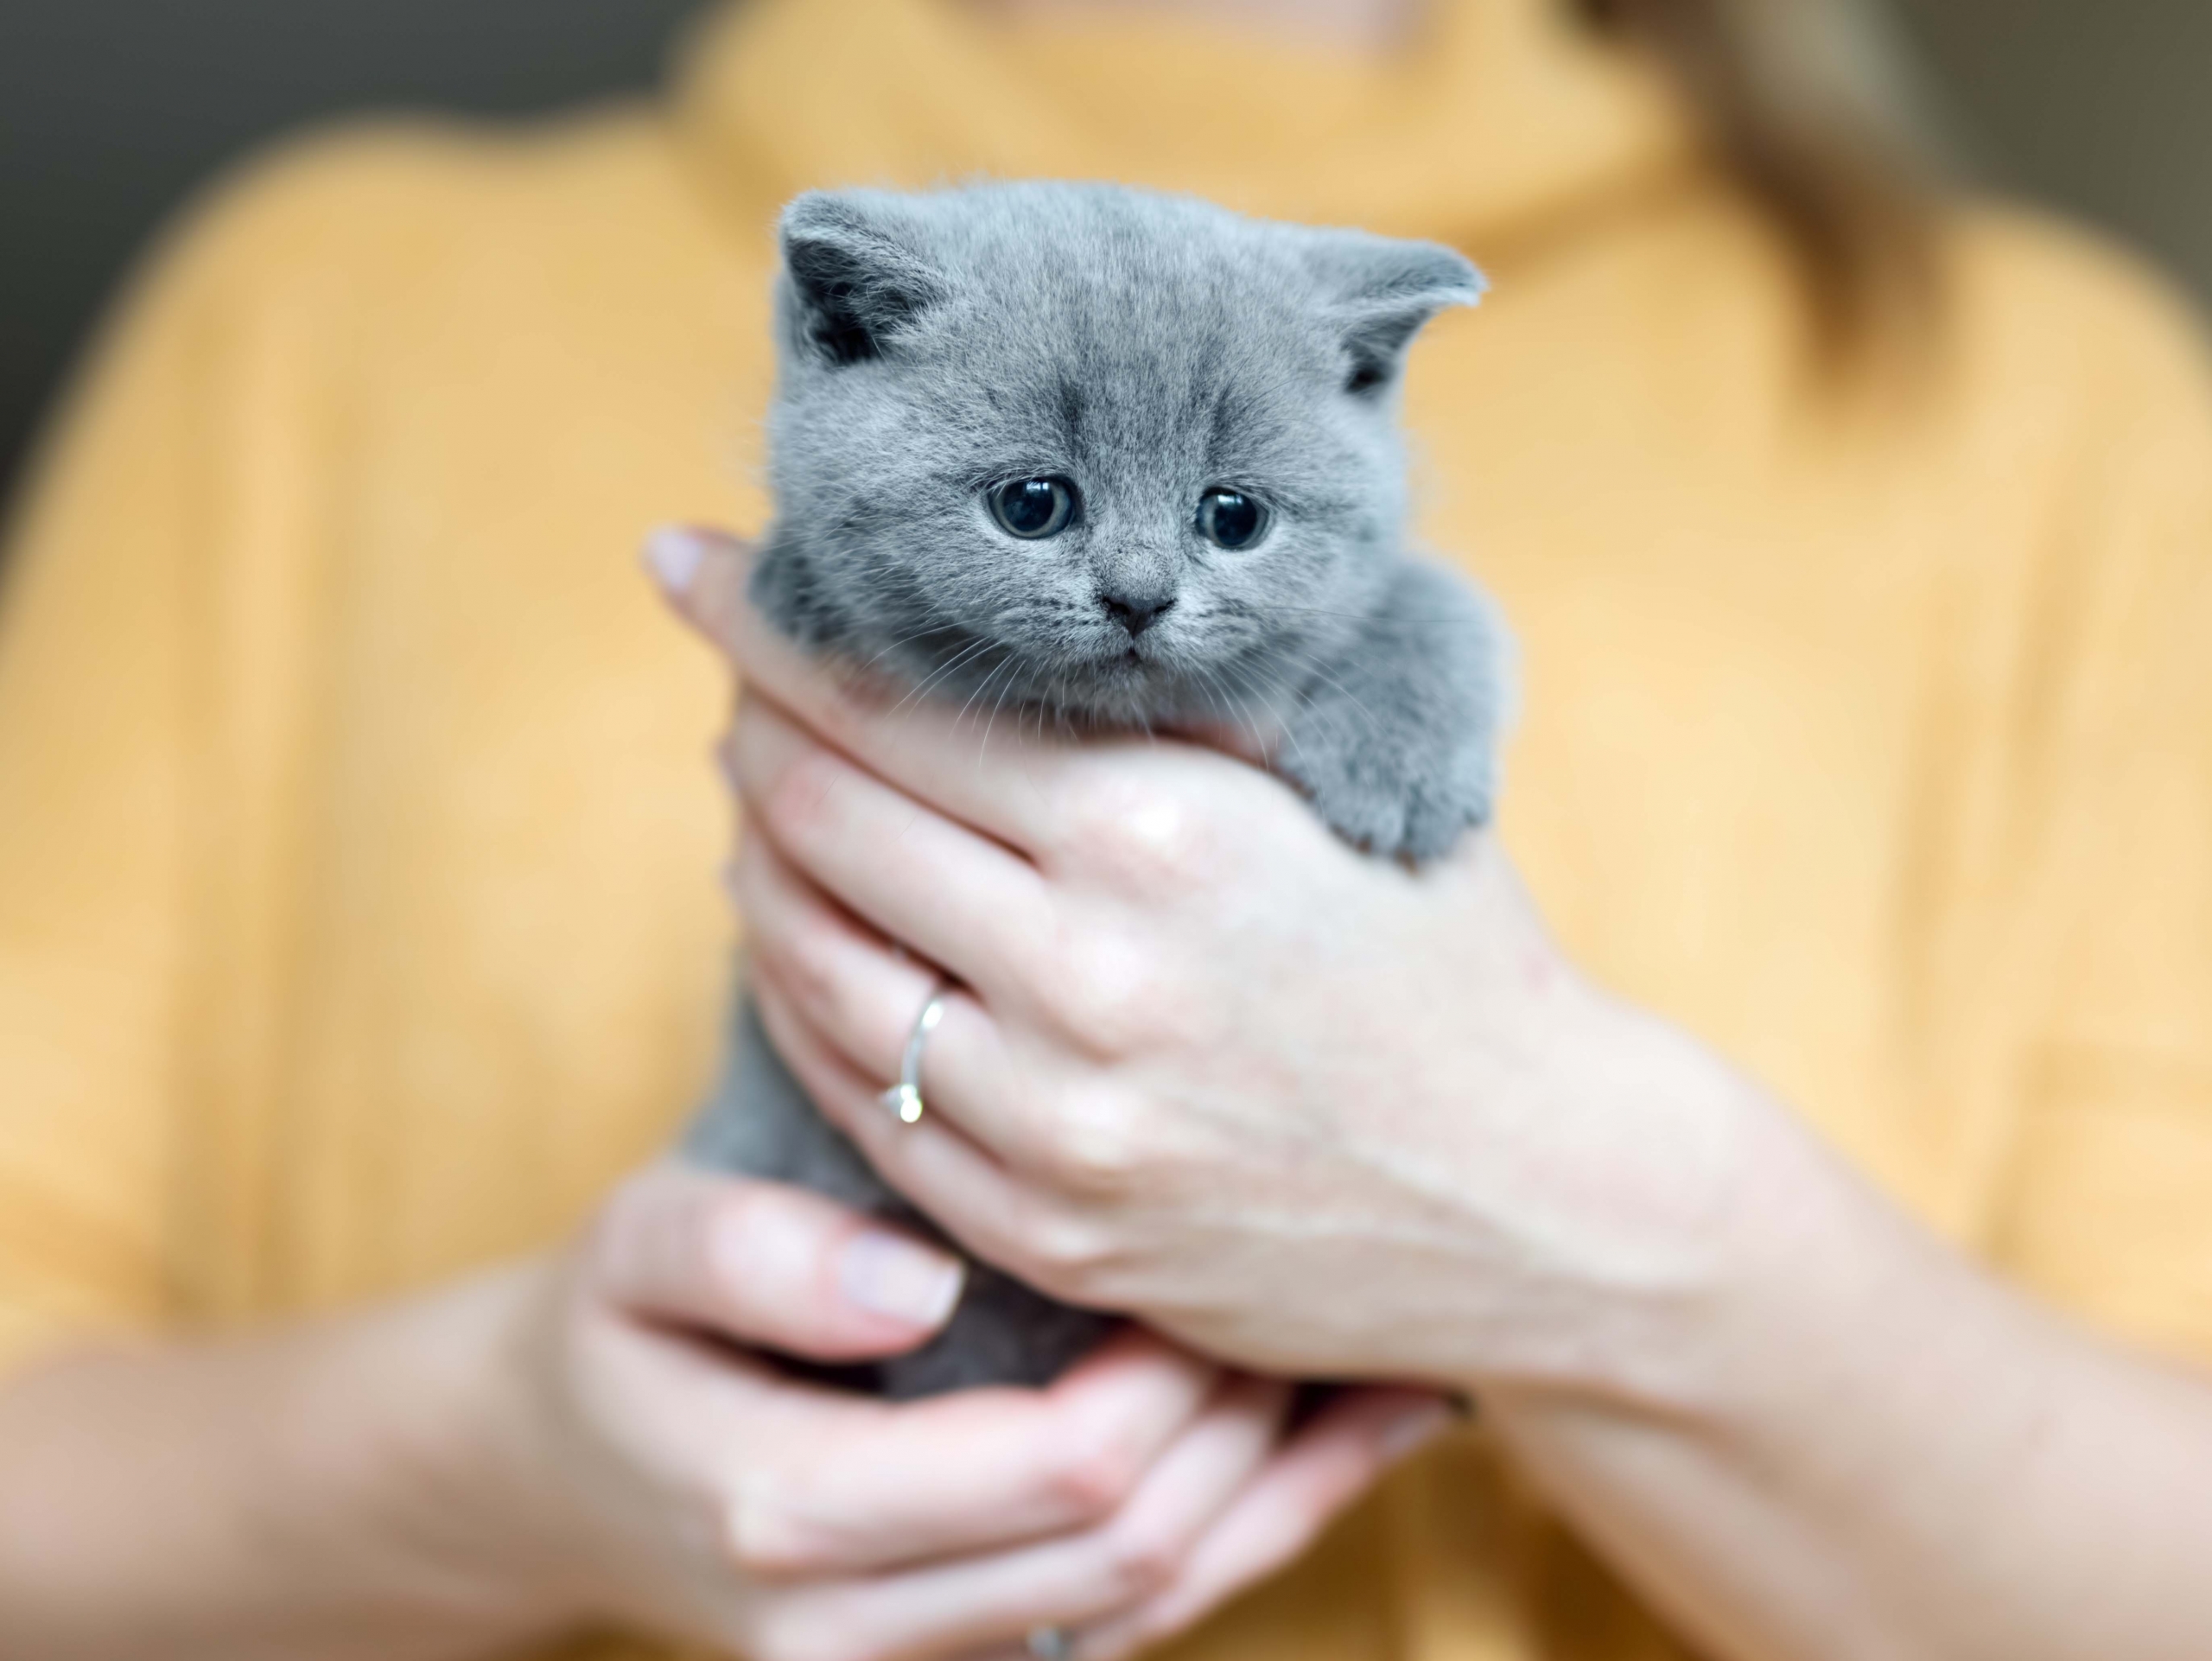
{"points": [[111, 110]]}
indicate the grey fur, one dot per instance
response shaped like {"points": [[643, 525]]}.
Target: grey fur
{"points": [[1148, 348]]}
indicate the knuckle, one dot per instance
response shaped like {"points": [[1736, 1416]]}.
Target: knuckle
{"points": [[1141, 1559], [1093, 815], [803, 966], [799, 802], [1137, 833], [1094, 1479], [1108, 1001], [760, 1540], [1097, 1143], [1064, 1252]]}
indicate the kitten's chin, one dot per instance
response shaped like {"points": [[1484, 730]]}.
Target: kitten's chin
{"points": [[1133, 669], [1135, 688], [1140, 685]]}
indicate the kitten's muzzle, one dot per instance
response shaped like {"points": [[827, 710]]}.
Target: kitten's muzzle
{"points": [[1136, 612]]}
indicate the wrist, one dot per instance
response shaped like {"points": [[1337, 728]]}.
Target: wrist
{"points": [[1686, 1220], [1807, 1424], [1734, 1267], [442, 1466]]}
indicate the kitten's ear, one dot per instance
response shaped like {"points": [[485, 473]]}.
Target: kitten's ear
{"points": [[1377, 292], [853, 281]]}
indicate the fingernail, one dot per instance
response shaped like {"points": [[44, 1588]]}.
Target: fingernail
{"points": [[888, 1275], [672, 555], [1414, 1428]]}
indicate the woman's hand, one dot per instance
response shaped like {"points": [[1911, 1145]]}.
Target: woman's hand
{"points": [[1300, 1107], [701, 1493], [582, 1439], [1316, 1112]]}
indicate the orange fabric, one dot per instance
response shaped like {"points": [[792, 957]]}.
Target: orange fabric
{"points": [[356, 838]]}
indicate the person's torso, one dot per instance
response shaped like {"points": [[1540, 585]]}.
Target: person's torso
{"points": [[484, 965]]}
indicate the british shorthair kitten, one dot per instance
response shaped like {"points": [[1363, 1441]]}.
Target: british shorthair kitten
{"points": [[1110, 460]]}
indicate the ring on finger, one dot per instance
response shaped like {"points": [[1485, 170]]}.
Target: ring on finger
{"points": [[1050, 1643], [903, 1099]]}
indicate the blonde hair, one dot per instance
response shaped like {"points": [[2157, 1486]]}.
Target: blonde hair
{"points": [[1814, 110]]}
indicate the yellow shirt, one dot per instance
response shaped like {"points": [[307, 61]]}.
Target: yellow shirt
{"points": [[358, 920]]}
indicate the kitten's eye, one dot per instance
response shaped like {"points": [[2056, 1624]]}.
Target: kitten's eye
{"points": [[1229, 519], [1033, 508]]}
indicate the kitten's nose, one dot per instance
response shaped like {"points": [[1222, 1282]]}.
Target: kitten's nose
{"points": [[1136, 612]]}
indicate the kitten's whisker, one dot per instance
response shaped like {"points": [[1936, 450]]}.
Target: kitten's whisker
{"points": [[980, 690], [1274, 689], [1374, 722], [1318, 669], [1259, 739], [907, 640], [1004, 665], [1236, 711], [1240, 608], [943, 671], [1215, 691], [984, 747]]}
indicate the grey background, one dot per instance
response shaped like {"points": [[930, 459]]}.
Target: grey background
{"points": [[110, 111]]}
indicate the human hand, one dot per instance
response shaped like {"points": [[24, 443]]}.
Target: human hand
{"points": [[1321, 1113], [673, 1482], [1301, 1108]]}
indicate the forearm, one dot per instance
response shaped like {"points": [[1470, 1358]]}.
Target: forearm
{"points": [[1869, 1449], [335, 1491]]}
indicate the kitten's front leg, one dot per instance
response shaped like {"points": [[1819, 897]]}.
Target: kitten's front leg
{"points": [[1395, 741]]}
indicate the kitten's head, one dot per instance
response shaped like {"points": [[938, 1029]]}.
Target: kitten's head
{"points": [[1119, 455]]}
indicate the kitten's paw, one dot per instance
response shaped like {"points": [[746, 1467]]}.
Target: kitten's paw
{"points": [[1396, 743], [1405, 800]]}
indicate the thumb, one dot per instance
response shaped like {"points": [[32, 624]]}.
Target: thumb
{"points": [[706, 576], [703, 573], [759, 1262]]}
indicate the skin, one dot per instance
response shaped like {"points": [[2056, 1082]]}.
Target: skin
{"points": [[1780, 1408], [1317, 1114], [578, 1438]]}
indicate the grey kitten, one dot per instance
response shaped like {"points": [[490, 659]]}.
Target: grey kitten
{"points": [[1112, 460]]}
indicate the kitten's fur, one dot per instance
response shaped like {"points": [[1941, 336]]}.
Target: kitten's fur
{"points": [[1147, 347]]}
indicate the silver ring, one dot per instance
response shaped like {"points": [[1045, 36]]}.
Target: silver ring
{"points": [[1050, 1643], [903, 1099]]}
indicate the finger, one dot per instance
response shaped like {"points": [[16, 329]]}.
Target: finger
{"points": [[972, 1470], [1077, 1579], [1327, 1466], [853, 985], [861, 997], [763, 1264], [961, 1185], [957, 898], [703, 573], [995, 770]]}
